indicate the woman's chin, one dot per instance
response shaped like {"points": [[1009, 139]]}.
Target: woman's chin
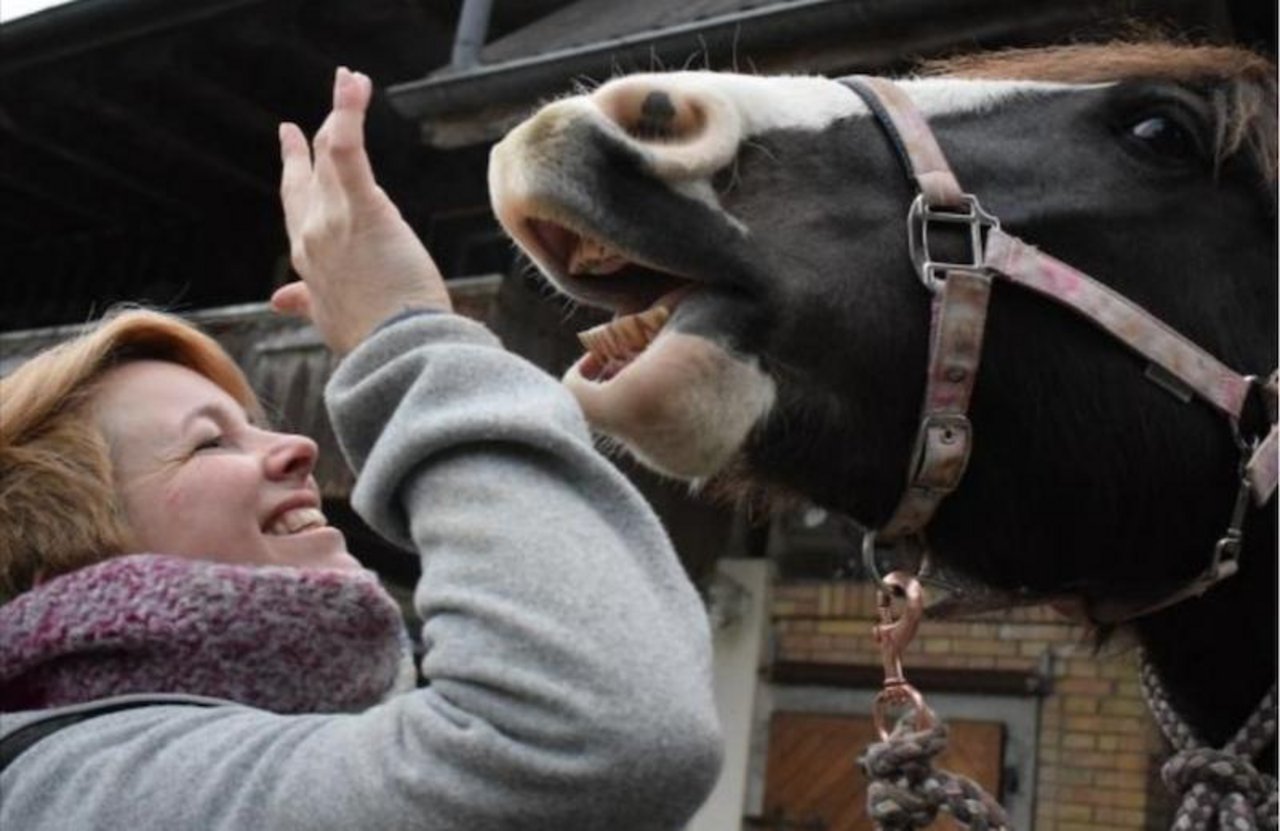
{"points": [[324, 547]]}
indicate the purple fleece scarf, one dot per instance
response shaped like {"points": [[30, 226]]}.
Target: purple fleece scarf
{"points": [[283, 639]]}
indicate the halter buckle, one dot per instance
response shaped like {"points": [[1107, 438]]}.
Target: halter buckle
{"points": [[969, 212]]}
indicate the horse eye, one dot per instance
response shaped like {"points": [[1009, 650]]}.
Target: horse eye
{"points": [[1165, 137]]}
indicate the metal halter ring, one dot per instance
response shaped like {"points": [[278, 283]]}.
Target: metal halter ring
{"points": [[907, 555], [969, 213]]}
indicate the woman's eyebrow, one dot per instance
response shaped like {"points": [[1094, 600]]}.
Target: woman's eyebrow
{"points": [[212, 410]]}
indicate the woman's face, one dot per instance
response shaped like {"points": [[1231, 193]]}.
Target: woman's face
{"points": [[198, 480]]}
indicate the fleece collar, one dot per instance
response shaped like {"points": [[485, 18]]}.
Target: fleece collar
{"points": [[283, 639]]}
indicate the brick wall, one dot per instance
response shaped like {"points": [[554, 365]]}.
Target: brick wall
{"points": [[1097, 751]]}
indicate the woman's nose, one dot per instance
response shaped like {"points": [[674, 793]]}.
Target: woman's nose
{"points": [[290, 456]]}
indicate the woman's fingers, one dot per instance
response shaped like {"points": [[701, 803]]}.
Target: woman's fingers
{"points": [[341, 161], [295, 176]]}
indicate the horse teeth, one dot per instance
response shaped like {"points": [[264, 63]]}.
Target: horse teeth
{"points": [[591, 256], [654, 319], [630, 333], [622, 339], [600, 341]]}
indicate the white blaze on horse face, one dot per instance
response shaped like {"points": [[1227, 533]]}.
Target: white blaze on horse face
{"points": [[741, 106], [685, 405]]}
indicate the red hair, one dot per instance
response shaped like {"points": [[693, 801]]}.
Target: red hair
{"points": [[58, 505]]}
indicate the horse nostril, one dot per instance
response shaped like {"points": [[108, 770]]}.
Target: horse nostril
{"points": [[657, 116], [653, 115]]}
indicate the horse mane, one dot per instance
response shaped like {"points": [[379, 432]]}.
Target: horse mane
{"points": [[1243, 95]]}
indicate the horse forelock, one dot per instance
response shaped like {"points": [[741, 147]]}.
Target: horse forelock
{"points": [[1243, 94]]}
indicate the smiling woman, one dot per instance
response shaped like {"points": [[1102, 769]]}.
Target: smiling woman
{"points": [[60, 509], [161, 548], [197, 479]]}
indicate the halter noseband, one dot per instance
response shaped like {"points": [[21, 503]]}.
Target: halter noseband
{"points": [[961, 293]]}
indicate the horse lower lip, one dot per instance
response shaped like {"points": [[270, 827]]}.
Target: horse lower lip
{"points": [[592, 368]]}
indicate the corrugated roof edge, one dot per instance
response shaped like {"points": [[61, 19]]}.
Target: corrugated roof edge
{"points": [[449, 91], [840, 35]]}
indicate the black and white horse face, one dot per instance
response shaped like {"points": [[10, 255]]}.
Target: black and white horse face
{"points": [[750, 234]]}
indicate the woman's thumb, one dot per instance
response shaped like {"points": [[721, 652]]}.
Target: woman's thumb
{"points": [[293, 299]]}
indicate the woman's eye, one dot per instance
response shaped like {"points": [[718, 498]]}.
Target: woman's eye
{"points": [[1165, 137], [211, 443]]}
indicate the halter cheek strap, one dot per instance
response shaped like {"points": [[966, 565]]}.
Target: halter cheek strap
{"points": [[961, 295], [944, 439]]}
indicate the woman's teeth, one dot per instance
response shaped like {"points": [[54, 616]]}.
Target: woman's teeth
{"points": [[296, 520]]}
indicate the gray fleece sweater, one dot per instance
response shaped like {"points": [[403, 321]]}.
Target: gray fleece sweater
{"points": [[567, 655]]}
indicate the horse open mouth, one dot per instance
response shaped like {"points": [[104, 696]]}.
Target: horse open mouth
{"points": [[643, 297]]}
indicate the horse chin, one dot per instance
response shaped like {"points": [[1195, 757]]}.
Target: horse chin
{"points": [[683, 407]]}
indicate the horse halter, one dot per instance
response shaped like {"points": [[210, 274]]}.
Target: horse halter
{"points": [[961, 292]]}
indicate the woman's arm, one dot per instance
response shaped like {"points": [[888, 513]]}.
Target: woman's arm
{"points": [[568, 656]]}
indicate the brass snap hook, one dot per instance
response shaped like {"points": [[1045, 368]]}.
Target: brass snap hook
{"points": [[894, 634]]}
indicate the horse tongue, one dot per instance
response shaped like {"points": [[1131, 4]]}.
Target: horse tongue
{"points": [[591, 256]]}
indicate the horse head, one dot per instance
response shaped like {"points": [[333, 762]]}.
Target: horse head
{"points": [[750, 235]]}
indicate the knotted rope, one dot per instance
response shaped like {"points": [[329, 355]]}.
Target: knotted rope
{"points": [[1220, 790], [906, 792]]}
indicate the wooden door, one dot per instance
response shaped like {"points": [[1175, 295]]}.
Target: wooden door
{"points": [[812, 778]]}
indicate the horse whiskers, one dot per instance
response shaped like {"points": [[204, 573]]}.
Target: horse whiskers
{"points": [[570, 310], [727, 181], [610, 447], [655, 61], [583, 85], [763, 148], [734, 487]]}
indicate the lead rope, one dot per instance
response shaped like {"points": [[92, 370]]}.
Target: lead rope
{"points": [[905, 791], [1220, 790]]}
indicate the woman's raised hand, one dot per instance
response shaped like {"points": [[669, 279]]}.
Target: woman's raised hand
{"points": [[359, 260]]}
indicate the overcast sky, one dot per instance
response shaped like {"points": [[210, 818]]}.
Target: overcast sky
{"points": [[9, 9]]}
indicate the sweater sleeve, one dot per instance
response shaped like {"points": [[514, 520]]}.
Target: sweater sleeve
{"points": [[567, 656]]}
